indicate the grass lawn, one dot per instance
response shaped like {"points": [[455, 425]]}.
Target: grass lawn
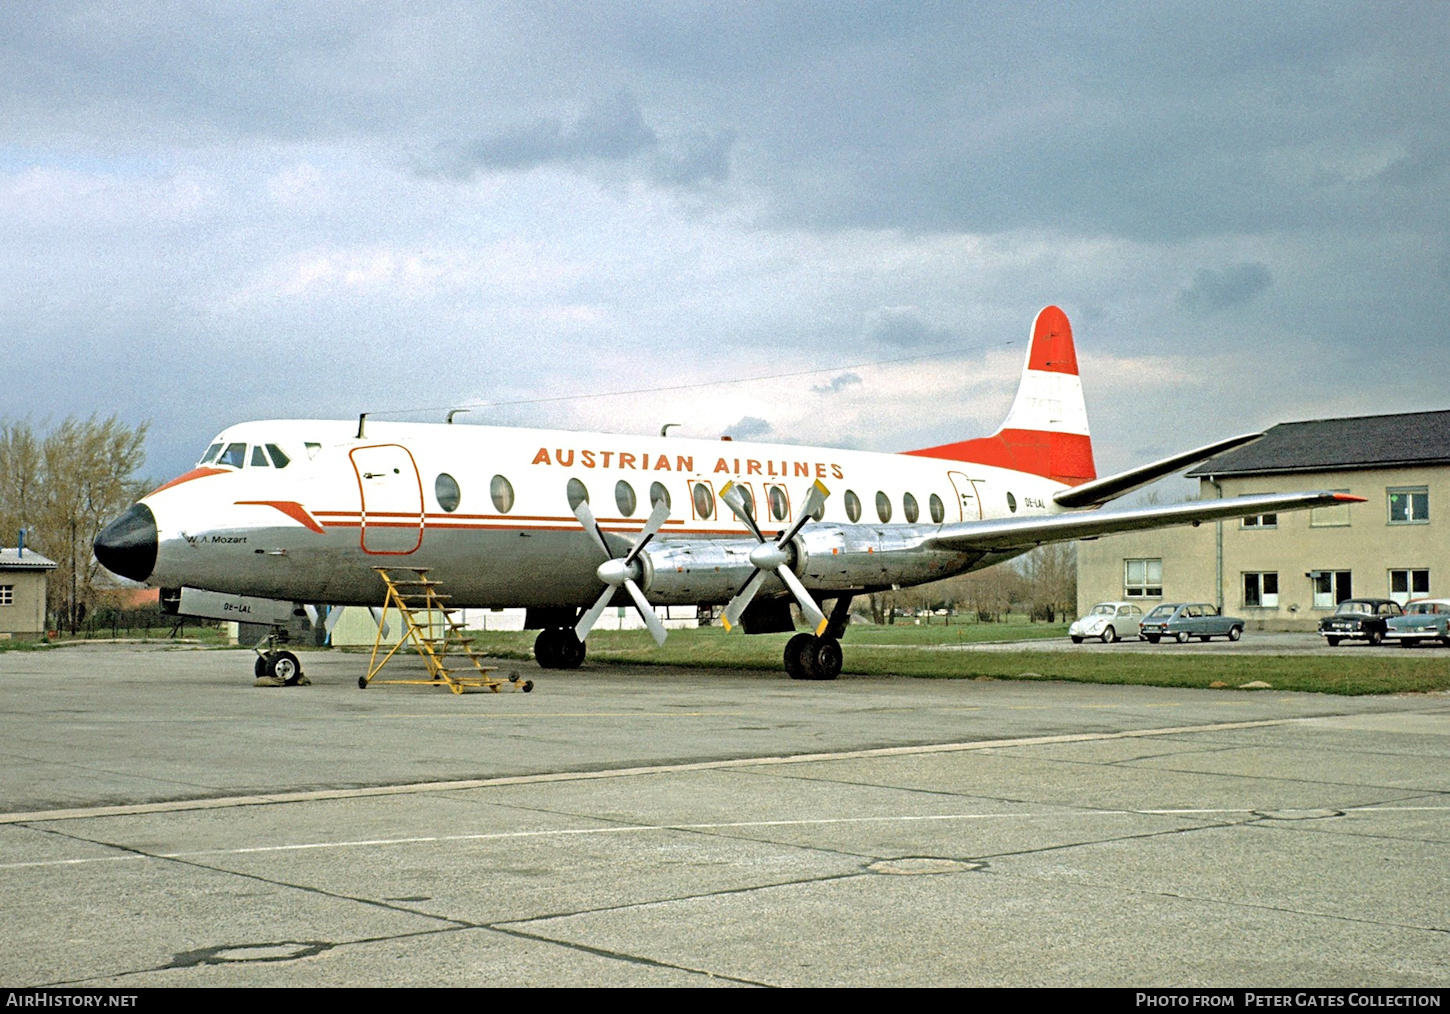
{"points": [[908, 650]]}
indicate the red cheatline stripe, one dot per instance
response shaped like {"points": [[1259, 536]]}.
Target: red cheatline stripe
{"points": [[195, 473], [291, 508]]}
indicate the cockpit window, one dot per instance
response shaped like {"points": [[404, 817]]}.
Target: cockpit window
{"points": [[210, 455], [312, 449], [259, 457], [279, 459], [235, 455]]}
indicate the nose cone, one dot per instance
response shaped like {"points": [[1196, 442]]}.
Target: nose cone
{"points": [[127, 546]]}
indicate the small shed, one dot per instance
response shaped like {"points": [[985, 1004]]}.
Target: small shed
{"points": [[23, 577]]}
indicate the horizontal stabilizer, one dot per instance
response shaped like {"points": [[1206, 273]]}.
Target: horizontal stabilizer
{"points": [[1026, 533], [1100, 491]]}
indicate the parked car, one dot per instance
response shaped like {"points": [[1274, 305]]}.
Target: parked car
{"points": [[1183, 620], [1423, 620], [1106, 620], [1359, 619]]}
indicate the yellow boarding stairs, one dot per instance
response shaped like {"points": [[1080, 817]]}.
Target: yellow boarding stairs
{"points": [[436, 634]]}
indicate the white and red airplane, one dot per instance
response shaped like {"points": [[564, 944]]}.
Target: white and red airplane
{"points": [[565, 524]]}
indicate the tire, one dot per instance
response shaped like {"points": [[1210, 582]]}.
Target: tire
{"points": [[1152, 638], [574, 649], [1181, 637], [283, 665], [558, 648], [259, 668], [1077, 640], [1333, 642], [826, 659], [1205, 638], [1109, 635], [795, 649], [1234, 633], [1375, 637]]}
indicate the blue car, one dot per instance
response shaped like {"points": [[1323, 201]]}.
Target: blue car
{"points": [[1424, 621], [1182, 621]]}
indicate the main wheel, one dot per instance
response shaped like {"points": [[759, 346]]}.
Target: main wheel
{"points": [[1234, 633], [558, 648], [1182, 637], [1109, 635], [283, 665], [825, 659], [795, 650]]}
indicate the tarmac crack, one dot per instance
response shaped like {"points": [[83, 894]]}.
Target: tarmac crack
{"points": [[634, 959]]}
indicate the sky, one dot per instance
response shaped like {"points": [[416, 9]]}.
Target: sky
{"points": [[218, 212]]}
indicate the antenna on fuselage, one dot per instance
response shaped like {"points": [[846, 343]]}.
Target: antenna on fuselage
{"points": [[454, 411], [665, 429], [362, 421]]}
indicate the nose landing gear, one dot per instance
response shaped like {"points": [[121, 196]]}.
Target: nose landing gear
{"points": [[276, 668]]}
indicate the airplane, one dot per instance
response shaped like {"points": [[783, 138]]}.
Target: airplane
{"points": [[564, 524]]}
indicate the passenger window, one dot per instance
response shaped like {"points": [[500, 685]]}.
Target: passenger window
{"points": [[445, 488], [211, 453], [704, 498], [578, 493], [259, 458], [624, 498], [502, 492], [909, 508], [853, 506], [1011, 503], [779, 503], [883, 507], [235, 455], [748, 496], [279, 460], [938, 509], [820, 514], [658, 494]]}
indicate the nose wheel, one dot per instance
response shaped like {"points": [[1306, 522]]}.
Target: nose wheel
{"points": [[808, 657], [277, 668]]}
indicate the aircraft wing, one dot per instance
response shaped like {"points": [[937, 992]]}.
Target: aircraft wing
{"points": [[1025, 533], [1099, 491]]}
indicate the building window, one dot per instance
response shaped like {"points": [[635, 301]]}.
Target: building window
{"points": [[1409, 584], [1260, 521], [1331, 587], [1143, 579], [1336, 516], [1262, 590], [7, 595], [1409, 505]]}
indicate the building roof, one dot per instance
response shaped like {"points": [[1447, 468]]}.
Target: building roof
{"points": [[10, 559], [1329, 445]]}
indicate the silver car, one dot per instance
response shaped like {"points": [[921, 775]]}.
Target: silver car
{"points": [[1182, 621]]}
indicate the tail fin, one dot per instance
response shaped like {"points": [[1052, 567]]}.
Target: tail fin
{"points": [[1046, 430]]}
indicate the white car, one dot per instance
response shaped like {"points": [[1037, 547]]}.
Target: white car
{"points": [[1107, 621]]}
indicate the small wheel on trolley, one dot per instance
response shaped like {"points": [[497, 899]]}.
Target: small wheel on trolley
{"points": [[362, 682]]}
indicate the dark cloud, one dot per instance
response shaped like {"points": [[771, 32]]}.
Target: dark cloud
{"points": [[751, 428], [1235, 285], [610, 131], [905, 327], [837, 383]]}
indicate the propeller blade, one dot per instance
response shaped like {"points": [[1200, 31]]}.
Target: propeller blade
{"points": [[657, 518], [586, 518], [738, 605], [587, 621], [809, 609], [815, 499], [733, 497], [647, 613]]}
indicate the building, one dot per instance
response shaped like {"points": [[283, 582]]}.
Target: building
{"points": [[24, 574], [1283, 572]]}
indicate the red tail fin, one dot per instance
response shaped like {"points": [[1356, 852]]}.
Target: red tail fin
{"points": [[1046, 430]]}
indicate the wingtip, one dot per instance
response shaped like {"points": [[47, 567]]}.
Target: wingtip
{"points": [[1349, 498]]}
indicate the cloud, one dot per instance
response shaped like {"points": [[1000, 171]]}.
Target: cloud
{"points": [[904, 326], [837, 383], [1234, 285], [750, 428]]}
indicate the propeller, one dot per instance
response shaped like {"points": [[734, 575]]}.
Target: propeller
{"points": [[774, 557], [626, 570]]}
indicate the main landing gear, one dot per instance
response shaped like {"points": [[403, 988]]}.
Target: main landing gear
{"points": [[808, 657], [558, 648]]}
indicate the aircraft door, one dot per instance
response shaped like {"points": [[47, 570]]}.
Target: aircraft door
{"points": [[967, 498], [390, 499]]}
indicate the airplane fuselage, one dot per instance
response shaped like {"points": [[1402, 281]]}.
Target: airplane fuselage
{"points": [[490, 511]]}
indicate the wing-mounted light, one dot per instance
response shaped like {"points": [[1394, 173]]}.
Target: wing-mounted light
{"points": [[627, 570], [774, 557]]}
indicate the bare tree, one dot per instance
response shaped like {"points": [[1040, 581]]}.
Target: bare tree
{"points": [[63, 489], [1051, 574]]}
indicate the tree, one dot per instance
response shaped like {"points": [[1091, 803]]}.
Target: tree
{"points": [[1051, 573], [64, 489]]}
